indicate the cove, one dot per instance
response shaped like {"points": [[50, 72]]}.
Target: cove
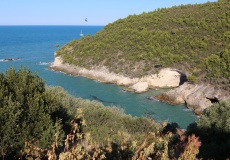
{"points": [[132, 103], [34, 47]]}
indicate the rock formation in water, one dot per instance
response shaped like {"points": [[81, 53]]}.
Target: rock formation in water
{"points": [[10, 59], [197, 97]]}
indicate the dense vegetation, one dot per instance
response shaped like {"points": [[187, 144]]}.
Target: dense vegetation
{"points": [[41, 122], [192, 38], [213, 128], [30, 113]]}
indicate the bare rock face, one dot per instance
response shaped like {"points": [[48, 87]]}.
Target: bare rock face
{"points": [[138, 87], [57, 61], [197, 97]]}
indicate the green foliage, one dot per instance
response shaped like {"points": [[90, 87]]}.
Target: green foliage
{"points": [[99, 133], [104, 123], [213, 128], [216, 117], [192, 78], [218, 68], [185, 37], [107, 133], [27, 115]]}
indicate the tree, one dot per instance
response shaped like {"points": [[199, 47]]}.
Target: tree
{"points": [[213, 128], [26, 114]]}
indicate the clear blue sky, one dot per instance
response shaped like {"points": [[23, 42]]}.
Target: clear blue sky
{"points": [[74, 12]]}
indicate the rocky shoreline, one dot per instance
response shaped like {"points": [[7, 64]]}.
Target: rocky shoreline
{"points": [[197, 97], [166, 78]]}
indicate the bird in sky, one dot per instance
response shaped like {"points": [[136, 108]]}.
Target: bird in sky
{"points": [[86, 20]]}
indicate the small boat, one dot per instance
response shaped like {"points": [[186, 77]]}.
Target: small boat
{"points": [[81, 34]]}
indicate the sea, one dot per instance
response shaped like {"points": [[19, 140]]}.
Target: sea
{"points": [[33, 47]]}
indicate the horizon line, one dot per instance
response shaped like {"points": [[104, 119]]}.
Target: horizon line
{"points": [[46, 25]]}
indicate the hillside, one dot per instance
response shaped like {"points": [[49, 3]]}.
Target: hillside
{"points": [[192, 38]]}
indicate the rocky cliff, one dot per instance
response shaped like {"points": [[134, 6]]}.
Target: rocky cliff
{"points": [[197, 97]]}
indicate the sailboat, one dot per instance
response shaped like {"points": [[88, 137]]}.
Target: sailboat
{"points": [[81, 34]]}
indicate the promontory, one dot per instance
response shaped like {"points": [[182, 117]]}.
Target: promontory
{"points": [[185, 47]]}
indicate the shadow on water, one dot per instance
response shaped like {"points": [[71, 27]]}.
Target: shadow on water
{"points": [[103, 101]]}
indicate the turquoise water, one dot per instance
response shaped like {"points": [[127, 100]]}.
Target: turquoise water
{"points": [[35, 47]]}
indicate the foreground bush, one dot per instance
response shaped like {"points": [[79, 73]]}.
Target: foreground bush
{"points": [[100, 133], [29, 118], [34, 117], [213, 128]]}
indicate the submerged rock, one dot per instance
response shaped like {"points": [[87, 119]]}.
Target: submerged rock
{"points": [[10, 59]]}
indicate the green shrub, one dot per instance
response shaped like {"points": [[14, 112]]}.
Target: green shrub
{"points": [[28, 115], [192, 79], [213, 128]]}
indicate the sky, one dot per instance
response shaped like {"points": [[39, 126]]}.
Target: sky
{"points": [[74, 12]]}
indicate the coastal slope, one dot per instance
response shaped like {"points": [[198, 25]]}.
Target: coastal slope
{"points": [[196, 97], [160, 49]]}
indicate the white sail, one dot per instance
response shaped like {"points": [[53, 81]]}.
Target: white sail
{"points": [[81, 34]]}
